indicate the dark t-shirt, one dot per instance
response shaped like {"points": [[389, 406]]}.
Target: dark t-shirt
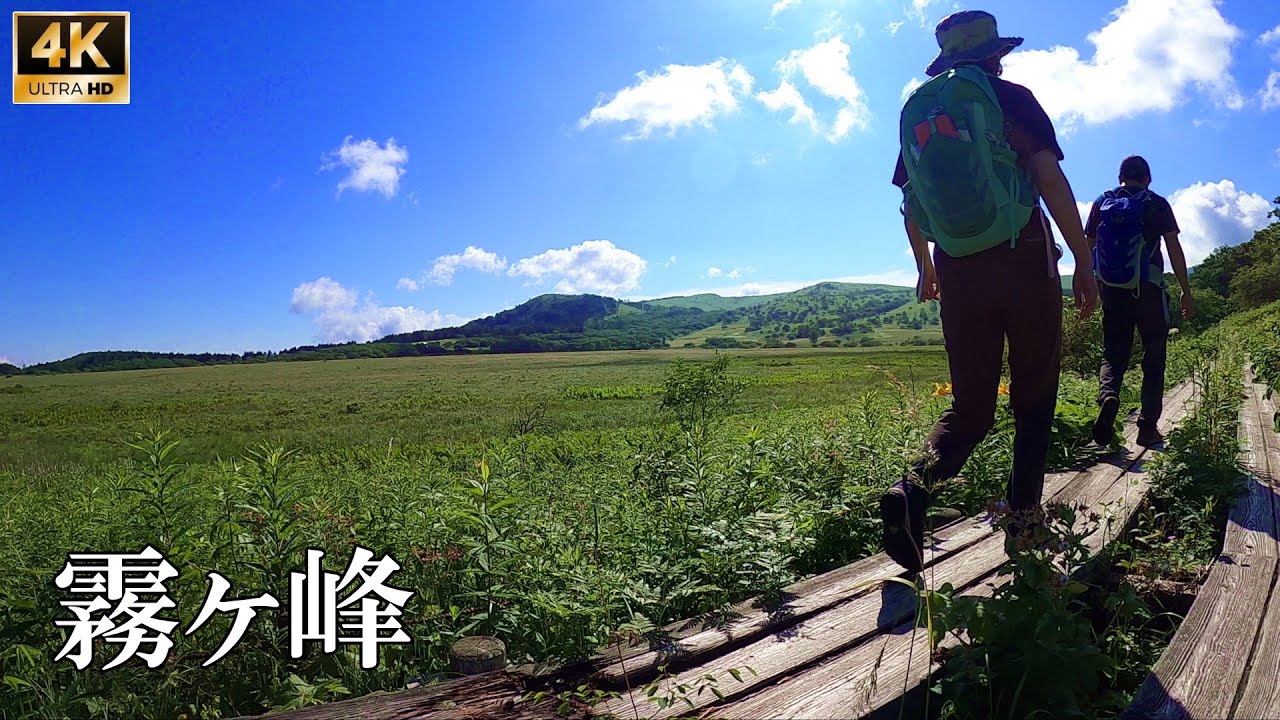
{"points": [[1157, 221], [1029, 131]]}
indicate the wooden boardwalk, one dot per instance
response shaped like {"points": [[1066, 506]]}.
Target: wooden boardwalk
{"points": [[1224, 661], [840, 645]]}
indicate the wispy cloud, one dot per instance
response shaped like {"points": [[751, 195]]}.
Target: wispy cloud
{"points": [[1270, 36], [734, 274], [1269, 95], [910, 87], [893, 27], [680, 96], [670, 261], [370, 167], [782, 6]]}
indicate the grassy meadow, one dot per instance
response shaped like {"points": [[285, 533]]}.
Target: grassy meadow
{"points": [[52, 421], [559, 501], [548, 499]]}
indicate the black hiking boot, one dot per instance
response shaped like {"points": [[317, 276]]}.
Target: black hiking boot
{"points": [[1104, 428], [1024, 530], [1150, 437], [902, 509]]}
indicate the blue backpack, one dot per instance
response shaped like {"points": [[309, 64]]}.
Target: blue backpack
{"points": [[1121, 257]]}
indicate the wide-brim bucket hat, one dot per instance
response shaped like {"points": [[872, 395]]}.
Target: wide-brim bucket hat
{"points": [[968, 36]]}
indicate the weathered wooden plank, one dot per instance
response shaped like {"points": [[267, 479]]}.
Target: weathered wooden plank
{"points": [[810, 640], [1260, 693], [801, 599], [857, 679], [854, 684], [687, 641], [1251, 524], [1200, 671], [491, 695], [806, 599], [875, 674], [859, 619]]}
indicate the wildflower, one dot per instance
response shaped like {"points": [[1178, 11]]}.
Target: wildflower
{"points": [[941, 389], [1003, 389]]}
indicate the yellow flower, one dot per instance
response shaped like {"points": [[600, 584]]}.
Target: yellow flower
{"points": [[1003, 389], [941, 390]]}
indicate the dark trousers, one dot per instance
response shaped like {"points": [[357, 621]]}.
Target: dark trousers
{"points": [[1121, 314], [1000, 293]]}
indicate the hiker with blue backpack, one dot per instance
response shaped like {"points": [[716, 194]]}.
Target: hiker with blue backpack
{"points": [[977, 155], [1125, 228]]}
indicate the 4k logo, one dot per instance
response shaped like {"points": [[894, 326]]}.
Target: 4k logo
{"points": [[71, 57]]}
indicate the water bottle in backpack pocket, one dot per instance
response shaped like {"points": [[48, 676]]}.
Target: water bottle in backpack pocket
{"points": [[1120, 255]]}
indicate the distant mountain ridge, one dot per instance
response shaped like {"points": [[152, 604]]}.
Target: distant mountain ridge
{"points": [[827, 314]]}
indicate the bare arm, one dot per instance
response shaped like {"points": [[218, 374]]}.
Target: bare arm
{"points": [[927, 287], [1056, 191], [1178, 261]]}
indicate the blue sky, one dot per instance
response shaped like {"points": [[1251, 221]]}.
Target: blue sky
{"points": [[293, 172]]}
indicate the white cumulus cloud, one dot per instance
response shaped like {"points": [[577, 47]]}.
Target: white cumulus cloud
{"points": [[370, 167], [1157, 50], [322, 294], [678, 97], [409, 284], [594, 266], [442, 272], [825, 68], [1213, 215], [340, 316]]}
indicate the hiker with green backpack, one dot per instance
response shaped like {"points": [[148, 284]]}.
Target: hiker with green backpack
{"points": [[977, 154], [1124, 230]]}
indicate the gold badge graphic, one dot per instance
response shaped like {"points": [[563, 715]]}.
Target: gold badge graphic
{"points": [[66, 57]]}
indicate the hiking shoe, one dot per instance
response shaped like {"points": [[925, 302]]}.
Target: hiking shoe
{"points": [[902, 510], [1150, 437], [1104, 428], [1024, 530]]}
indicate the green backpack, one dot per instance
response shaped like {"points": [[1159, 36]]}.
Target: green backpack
{"points": [[965, 189]]}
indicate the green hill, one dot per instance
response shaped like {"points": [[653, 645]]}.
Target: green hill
{"points": [[826, 314]]}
